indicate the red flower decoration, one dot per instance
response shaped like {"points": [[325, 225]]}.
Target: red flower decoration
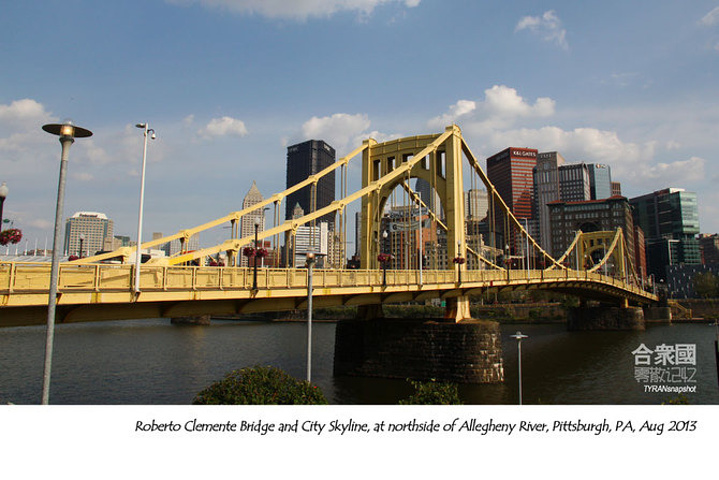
{"points": [[384, 258], [458, 260], [261, 253], [11, 235], [248, 252]]}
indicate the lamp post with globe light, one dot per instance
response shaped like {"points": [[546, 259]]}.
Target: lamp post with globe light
{"points": [[310, 265], [67, 132]]}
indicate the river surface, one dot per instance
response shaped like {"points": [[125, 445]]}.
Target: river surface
{"points": [[151, 362]]}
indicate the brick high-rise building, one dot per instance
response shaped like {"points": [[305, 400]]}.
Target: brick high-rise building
{"points": [[510, 171]]}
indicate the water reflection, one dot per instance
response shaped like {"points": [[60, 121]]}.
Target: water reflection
{"points": [[154, 362]]}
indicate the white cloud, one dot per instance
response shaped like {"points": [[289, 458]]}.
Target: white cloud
{"points": [[222, 127], [457, 111], [548, 27], [338, 130], [22, 113], [679, 172], [501, 107], [83, 176], [711, 18], [296, 9]]}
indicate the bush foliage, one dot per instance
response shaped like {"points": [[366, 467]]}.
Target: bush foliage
{"points": [[433, 393], [260, 386]]}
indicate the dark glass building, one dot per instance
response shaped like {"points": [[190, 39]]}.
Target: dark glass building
{"points": [[305, 159], [600, 181], [670, 221]]}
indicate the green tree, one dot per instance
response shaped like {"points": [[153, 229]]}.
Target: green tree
{"points": [[706, 284], [260, 386], [433, 393]]}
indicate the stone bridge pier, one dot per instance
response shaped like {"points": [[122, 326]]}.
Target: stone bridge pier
{"points": [[605, 317]]}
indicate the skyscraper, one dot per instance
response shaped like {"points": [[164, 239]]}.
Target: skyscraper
{"points": [[247, 228], [92, 227], [476, 204], [510, 171], [574, 183], [546, 190], [590, 216], [305, 159], [670, 221], [600, 181]]}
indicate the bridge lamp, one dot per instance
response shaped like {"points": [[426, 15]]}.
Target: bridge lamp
{"points": [[384, 264], [67, 131], [254, 259], [519, 336], [82, 240], [138, 253], [3, 195], [310, 264]]}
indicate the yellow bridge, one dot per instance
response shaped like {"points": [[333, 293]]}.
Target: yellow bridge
{"points": [[89, 289]]}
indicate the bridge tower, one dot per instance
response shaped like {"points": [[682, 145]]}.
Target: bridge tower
{"points": [[394, 163]]}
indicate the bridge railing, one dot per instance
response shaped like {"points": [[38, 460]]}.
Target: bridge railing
{"points": [[34, 278]]}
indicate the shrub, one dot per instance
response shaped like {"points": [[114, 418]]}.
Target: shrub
{"points": [[260, 386], [433, 393]]}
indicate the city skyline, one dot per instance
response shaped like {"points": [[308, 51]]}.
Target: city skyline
{"points": [[228, 89]]}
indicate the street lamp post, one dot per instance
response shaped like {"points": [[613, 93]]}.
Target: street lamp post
{"points": [[254, 259], [519, 338], [138, 256], [67, 133], [384, 264], [3, 195], [526, 253], [310, 265], [82, 240]]}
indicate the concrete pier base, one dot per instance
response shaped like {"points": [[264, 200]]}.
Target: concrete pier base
{"points": [[658, 314], [465, 352], [191, 320], [605, 318]]}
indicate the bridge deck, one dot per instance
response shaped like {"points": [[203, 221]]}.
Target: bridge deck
{"points": [[105, 291]]}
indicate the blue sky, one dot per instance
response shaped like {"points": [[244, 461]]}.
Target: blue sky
{"points": [[228, 84]]}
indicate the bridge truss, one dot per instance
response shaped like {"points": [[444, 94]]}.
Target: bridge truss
{"points": [[601, 261]]}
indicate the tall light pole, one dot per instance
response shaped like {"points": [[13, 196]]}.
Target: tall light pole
{"points": [[526, 253], [82, 240], [310, 265], [519, 338], [3, 195], [67, 133], [384, 264], [419, 236], [138, 256], [254, 259]]}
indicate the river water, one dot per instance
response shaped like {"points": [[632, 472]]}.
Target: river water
{"points": [[152, 362]]}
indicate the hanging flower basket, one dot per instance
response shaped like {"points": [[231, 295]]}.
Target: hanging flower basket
{"points": [[11, 235], [458, 260], [384, 257], [248, 252], [261, 253]]}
